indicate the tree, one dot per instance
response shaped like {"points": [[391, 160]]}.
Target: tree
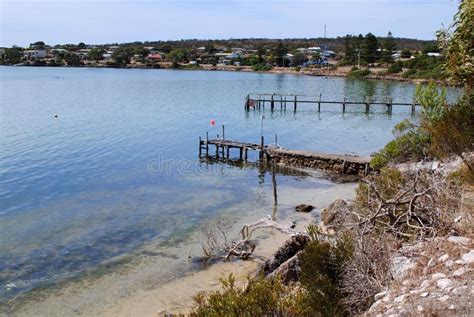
{"points": [[40, 45], [176, 56], [72, 59], [279, 54], [122, 56], [13, 55], [298, 59], [261, 54], [405, 53], [458, 47], [369, 51], [389, 47], [81, 46], [96, 54]]}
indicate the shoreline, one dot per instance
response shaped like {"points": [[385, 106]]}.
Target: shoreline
{"points": [[149, 286], [341, 72]]}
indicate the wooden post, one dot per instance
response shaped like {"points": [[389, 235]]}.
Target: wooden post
{"points": [[295, 104], [389, 105], [344, 105], [240, 153], [319, 103], [223, 132], [245, 154], [247, 107], [200, 146], [274, 185], [281, 102], [285, 102], [413, 107], [367, 104], [227, 151], [207, 143], [262, 144], [272, 103], [217, 150], [276, 139]]}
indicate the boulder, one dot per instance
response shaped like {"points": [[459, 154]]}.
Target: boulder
{"points": [[288, 271], [335, 214], [287, 251], [304, 208]]}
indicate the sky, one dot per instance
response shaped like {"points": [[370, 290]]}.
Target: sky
{"points": [[117, 21]]}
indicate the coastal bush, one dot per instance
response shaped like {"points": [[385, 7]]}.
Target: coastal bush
{"points": [[395, 68], [410, 144], [260, 297], [322, 263], [409, 73], [261, 67], [358, 73]]}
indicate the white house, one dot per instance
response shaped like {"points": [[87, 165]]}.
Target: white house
{"points": [[37, 54]]}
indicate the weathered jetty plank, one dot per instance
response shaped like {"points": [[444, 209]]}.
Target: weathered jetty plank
{"points": [[343, 164]]}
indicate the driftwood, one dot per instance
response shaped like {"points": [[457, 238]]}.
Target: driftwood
{"points": [[215, 238]]}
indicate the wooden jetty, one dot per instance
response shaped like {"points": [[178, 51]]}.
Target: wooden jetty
{"points": [[257, 101], [343, 164]]}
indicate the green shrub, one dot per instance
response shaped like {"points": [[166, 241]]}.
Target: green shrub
{"points": [[322, 264], [410, 144], [261, 297], [395, 68], [410, 73], [261, 67], [358, 73]]}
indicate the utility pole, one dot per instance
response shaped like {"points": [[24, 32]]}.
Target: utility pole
{"points": [[358, 59]]}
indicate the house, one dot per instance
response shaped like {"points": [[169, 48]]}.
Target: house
{"points": [[155, 57], [314, 49], [83, 53], [37, 54], [328, 54]]}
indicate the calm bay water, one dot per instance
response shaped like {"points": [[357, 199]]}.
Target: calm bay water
{"points": [[119, 166]]}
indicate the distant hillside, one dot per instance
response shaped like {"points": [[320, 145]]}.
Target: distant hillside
{"points": [[335, 44]]}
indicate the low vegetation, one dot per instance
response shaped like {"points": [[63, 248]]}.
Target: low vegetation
{"points": [[358, 73]]}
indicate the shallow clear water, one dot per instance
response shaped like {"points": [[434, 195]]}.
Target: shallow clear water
{"points": [[119, 165]]}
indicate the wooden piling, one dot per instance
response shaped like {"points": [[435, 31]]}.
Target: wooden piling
{"points": [[272, 103], [295, 104], [344, 104], [367, 104], [413, 108], [262, 146], [207, 143], [389, 105], [200, 146], [223, 132], [319, 103]]}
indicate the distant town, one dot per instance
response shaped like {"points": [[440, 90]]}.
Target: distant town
{"points": [[358, 56]]}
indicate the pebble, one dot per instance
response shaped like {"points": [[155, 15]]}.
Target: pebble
{"points": [[425, 294], [443, 258], [449, 263], [425, 284], [444, 283], [420, 308], [459, 240], [468, 257], [459, 272], [399, 299], [380, 295], [443, 298], [437, 276], [451, 307]]}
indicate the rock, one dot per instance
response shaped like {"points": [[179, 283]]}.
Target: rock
{"points": [[288, 271], [304, 208], [449, 263], [380, 295], [443, 258], [425, 284], [399, 299], [468, 257], [460, 272], [400, 267], [443, 298], [420, 308], [444, 283], [288, 250], [459, 240], [335, 214], [437, 276], [425, 294]]}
